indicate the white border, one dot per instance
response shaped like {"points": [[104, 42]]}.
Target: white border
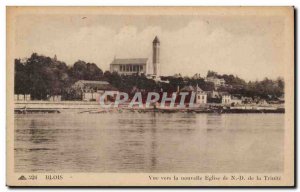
{"points": [[150, 2], [4, 3]]}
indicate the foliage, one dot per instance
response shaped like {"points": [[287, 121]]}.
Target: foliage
{"points": [[42, 76]]}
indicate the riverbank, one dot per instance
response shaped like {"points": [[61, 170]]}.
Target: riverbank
{"points": [[94, 107]]}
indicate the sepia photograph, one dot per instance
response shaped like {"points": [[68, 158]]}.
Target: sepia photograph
{"points": [[150, 96]]}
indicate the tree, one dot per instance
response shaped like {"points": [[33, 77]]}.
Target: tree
{"points": [[40, 76], [21, 78], [43, 76], [211, 74], [85, 71]]}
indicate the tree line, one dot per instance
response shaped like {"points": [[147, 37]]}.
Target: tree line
{"points": [[42, 76]]}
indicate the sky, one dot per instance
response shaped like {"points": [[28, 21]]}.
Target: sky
{"points": [[251, 47]]}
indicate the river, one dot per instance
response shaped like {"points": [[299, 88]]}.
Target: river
{"points": [[149, 142]]}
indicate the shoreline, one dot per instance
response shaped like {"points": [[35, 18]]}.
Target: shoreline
{"points": [[94, 107]]}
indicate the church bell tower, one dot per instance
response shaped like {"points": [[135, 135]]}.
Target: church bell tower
{"points": [[155, 59]]}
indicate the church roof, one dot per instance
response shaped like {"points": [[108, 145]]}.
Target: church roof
{"points": [[156, 40], [129, 61]]}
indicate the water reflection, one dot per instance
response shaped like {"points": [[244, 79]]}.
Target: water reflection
{"points": [[153, 142], [150, 142]]}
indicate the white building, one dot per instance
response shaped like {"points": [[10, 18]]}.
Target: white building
{"points": [[22, 97], [216, 81], [226, 99], [130, 66], [54, 98], [147, 66], [247, 100], [201, 96]]}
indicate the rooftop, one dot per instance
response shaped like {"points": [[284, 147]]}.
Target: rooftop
{"points": [[129, 61], [99, 85], [191, 88], [156, 40]]}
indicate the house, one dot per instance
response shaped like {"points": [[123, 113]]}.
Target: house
{"points": [[216, 94], [93, 90], [247, 100], [22, 97], [212, 94], [262, 102], [236, 100], [54, 98], [201, 96], [218, 82], [277, 100], [226, 99]]}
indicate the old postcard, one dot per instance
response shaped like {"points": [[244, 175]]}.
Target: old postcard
{"points": [[150, 96]]}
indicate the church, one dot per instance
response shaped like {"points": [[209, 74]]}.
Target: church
{"points": [[147, 66]]}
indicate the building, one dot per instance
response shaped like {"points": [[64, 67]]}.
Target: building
{"points": [[201, 96], [214, 94], [22, 97], [156, 55], [247, 100], [130, 66], [216, 81], [226, 99], [54, 98], [262, 102], [236, 100], [93, 90], [147, 66]]}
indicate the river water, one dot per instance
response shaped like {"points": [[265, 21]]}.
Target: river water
{"points": [[149, 142]]}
